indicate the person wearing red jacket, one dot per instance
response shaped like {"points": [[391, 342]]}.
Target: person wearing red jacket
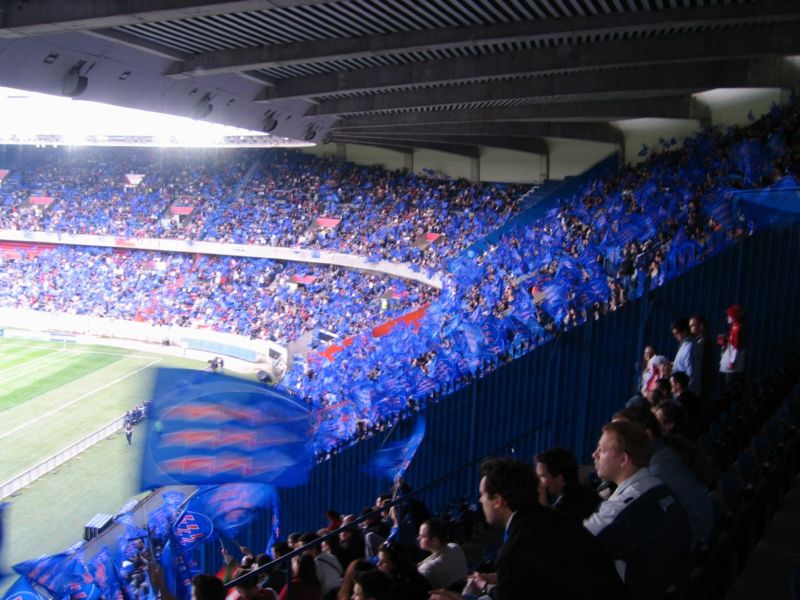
{"points": [[733, 345]]}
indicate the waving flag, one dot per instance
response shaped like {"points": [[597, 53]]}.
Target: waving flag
{"points": [[231, 506], [22, 590], [392, 461], [161, 519], [209, 428], [45, 571], [106, 575]]}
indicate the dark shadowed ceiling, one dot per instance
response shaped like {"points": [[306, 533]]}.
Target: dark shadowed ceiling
{"points": [[444, 74]]}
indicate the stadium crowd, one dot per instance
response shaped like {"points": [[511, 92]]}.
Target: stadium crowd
{"points": [[258, 298], [613, 241], [629, 536]]}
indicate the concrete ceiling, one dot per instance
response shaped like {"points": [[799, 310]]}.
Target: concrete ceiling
{"points": [[442, 74]]}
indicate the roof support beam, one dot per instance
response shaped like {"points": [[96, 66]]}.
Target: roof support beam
{"points": [[773, 40], [642, 81], [530, 146], [541, 30], [403, 146], [597, 132], [21, 19], [601, 111]]}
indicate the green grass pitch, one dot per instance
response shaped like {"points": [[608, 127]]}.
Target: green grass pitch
{"points": [[51, 395]]}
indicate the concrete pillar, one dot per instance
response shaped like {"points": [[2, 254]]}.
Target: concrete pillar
{"points": [[475, 169], [341, 151]]}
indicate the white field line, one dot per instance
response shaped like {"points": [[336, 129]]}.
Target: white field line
{"points": [[28, 362], [35, 367], [78, 399], [77, 351]]}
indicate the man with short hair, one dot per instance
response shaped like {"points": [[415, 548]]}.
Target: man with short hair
{"points": [[559, 488], [698, 327], [687, 359], [668, 467], [545, 554], [642, 525], [681, 394]]}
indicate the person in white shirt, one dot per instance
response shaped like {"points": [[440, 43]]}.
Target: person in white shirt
{"points": [[447, 563]]}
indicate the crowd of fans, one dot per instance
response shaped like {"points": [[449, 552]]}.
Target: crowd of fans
{"points": [[266, 198], [259, 298], [613, 241]]}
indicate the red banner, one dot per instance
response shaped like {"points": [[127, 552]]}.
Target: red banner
{"points": [[432, 237], [3, 174], [381, 330], [304, 279], [41, 200], [181, 210], [327, 222]]}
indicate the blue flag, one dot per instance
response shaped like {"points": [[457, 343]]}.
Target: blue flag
{"points": [[178, 570], [392, 460], [231, 506], [160, 520], [209, 428], [45, 571], [22, 590], [106, 575]]}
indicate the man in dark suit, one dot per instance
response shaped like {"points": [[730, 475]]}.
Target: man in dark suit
{"points": [[545, 554], [557, 470]]}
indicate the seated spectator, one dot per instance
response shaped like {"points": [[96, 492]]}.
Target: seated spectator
{"points": [[642, 525], [373, 585], [672, 417], [409, 583], [349, 579], [446, 564], [351, 542], [207, 587], [306, 584], [248, 587], [689, 401], [545, 554], [328, 568], [557, 470], [668, 467]]}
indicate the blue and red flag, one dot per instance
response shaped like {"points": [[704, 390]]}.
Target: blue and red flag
{"points": [[393, 460], [209, 428], [231, 506], [46, 571], [22, 590]]}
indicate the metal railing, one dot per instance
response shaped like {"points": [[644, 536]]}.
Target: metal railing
{"points": [[59, 458]]}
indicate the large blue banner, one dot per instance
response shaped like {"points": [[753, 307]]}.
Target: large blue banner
{"points": [[210, 428]]}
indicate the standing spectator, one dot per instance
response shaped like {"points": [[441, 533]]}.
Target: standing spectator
{"points": [[128, 431], [733, 345], [557, 470], [698, 325], [686, 359]]}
